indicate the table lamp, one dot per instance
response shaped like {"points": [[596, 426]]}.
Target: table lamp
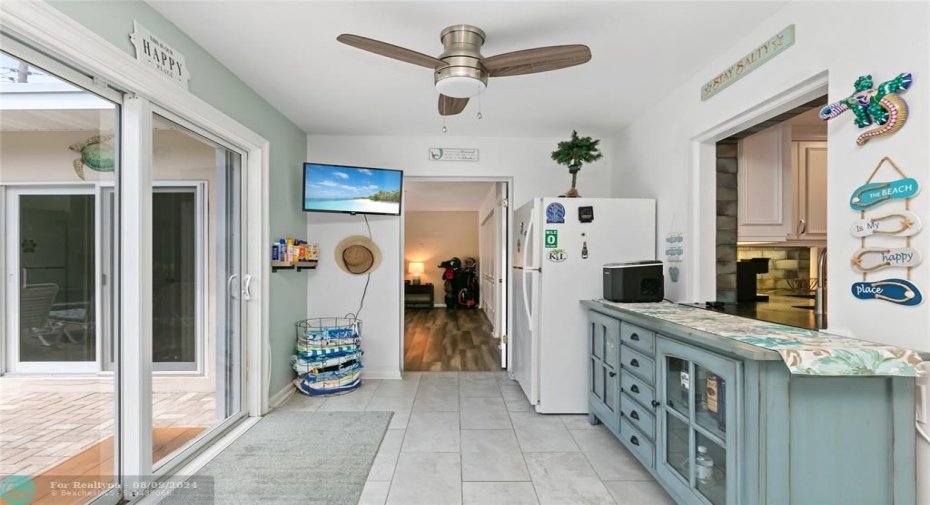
{"points": [[415, 269]]}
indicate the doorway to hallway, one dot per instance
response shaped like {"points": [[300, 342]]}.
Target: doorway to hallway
{"points": [[455, 292]]}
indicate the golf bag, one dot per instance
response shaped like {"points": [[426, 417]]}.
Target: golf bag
{"points": [[460, 283]]}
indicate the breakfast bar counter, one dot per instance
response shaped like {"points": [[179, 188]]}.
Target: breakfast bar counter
{"points": [[804, 352], [727, 410]]}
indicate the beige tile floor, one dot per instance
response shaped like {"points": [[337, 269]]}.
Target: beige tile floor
{"points": [[41, 429], [479, 442]]}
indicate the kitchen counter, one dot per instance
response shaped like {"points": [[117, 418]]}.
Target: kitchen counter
{"points": [[804, 352], [791, 310]]}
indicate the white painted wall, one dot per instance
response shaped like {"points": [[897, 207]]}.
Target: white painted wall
{"points": [[658, 152], [332, 292]]}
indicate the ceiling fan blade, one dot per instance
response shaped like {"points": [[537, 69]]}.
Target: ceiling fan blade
{"points": [[449, 106], [540, 59], [390, 50]]}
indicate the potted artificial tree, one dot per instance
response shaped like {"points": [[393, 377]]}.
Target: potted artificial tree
{"points": [[573, 153]]}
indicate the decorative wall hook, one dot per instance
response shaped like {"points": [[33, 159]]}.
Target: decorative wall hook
{"points": [[880, 104]]}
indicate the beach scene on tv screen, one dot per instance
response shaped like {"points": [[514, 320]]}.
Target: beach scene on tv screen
{"points": [[347, 189]]}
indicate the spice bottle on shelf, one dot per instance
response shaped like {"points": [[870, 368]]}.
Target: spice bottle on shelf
{"points": [[710, 394]]}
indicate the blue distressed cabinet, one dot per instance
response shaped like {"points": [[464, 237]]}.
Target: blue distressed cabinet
{"points": [[694, 397], [720, 422], [604, 383]]}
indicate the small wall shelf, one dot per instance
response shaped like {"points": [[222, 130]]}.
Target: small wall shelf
{"points": [[297, 265]]}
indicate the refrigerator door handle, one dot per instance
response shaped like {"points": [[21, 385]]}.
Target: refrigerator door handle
{"points": [[527, 244]]}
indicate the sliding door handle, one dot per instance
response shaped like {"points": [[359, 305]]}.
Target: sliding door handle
{"points": [[247, 287], [233, 293]]}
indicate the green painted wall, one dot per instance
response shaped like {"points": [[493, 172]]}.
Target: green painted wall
{"points": [[215, 84]]}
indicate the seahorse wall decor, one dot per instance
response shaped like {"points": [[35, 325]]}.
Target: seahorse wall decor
{"points": [[870, 104]]}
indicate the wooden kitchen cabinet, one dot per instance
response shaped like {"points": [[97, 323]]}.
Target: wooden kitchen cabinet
{"points": [[809, 172], [765, 186], [769, 435]]}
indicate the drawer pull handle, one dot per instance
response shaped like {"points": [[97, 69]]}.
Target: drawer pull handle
{"points": [[612, 374], [634, 440], [634, 388], [634, 337], [634, 415], [635, 363], [655, 404]]}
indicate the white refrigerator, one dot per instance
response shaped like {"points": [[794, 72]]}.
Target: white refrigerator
{"points": [[558, 259]]}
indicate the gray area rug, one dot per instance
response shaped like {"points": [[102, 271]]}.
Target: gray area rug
{"points": [[293, 457]]}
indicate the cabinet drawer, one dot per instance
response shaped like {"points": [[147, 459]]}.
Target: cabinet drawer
{"points": [[639, 445], [638, 416], [637, 364], [634, 336], [637, 389]]}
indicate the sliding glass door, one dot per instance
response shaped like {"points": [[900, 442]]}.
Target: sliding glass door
{"points": [[198, 288], [79, 391], [58, 415]]}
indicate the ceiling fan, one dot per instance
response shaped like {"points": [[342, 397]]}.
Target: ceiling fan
{"points": [[461, 72]]}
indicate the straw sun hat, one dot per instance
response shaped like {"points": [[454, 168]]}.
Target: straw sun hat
{"points": [[357, 255]]}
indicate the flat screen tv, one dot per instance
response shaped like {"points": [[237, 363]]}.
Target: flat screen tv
{"points": [[352, 190]]}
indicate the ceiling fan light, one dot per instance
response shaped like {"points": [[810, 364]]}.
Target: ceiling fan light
{"points": [[460, 87]]}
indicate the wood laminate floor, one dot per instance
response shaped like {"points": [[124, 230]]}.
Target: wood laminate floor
{"points": [[440, 339], [83, 474]]}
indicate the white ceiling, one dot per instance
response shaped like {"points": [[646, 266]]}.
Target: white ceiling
{"points": [[288, 53], [444, 196]]}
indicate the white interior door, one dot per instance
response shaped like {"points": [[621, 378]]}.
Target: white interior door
{"points": [[488, 288], [501, 267]]}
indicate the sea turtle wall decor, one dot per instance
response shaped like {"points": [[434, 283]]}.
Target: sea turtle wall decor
{"points": [[880, 104], [96, 154]]}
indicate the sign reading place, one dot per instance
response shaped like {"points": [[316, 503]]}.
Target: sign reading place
{"points": [[778, 43], [159, 55]]}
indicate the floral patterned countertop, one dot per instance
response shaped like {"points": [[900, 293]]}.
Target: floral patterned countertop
{"points": [[805, 352]]}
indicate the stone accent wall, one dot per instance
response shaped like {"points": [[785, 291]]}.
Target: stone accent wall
{"points": [[727, 208], [789, 267]]}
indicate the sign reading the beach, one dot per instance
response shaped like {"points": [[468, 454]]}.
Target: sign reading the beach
{"points": [[452, 154], [158, 55], [776, 44], [877, 193]]}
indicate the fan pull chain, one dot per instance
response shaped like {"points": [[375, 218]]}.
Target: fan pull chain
{"points": [[443, 102], [479, 106]]}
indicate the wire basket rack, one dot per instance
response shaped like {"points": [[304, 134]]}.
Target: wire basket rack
{"points": [[328, 358]]}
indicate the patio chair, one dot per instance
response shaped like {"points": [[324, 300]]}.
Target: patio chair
{"points": [[35, 304], [72, 316]]}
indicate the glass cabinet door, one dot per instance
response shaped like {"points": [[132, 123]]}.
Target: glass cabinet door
{"points": [[604, 342], [697, 422]]}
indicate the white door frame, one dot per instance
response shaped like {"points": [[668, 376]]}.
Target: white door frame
{"points": [[702, 281], [505, 258]]}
